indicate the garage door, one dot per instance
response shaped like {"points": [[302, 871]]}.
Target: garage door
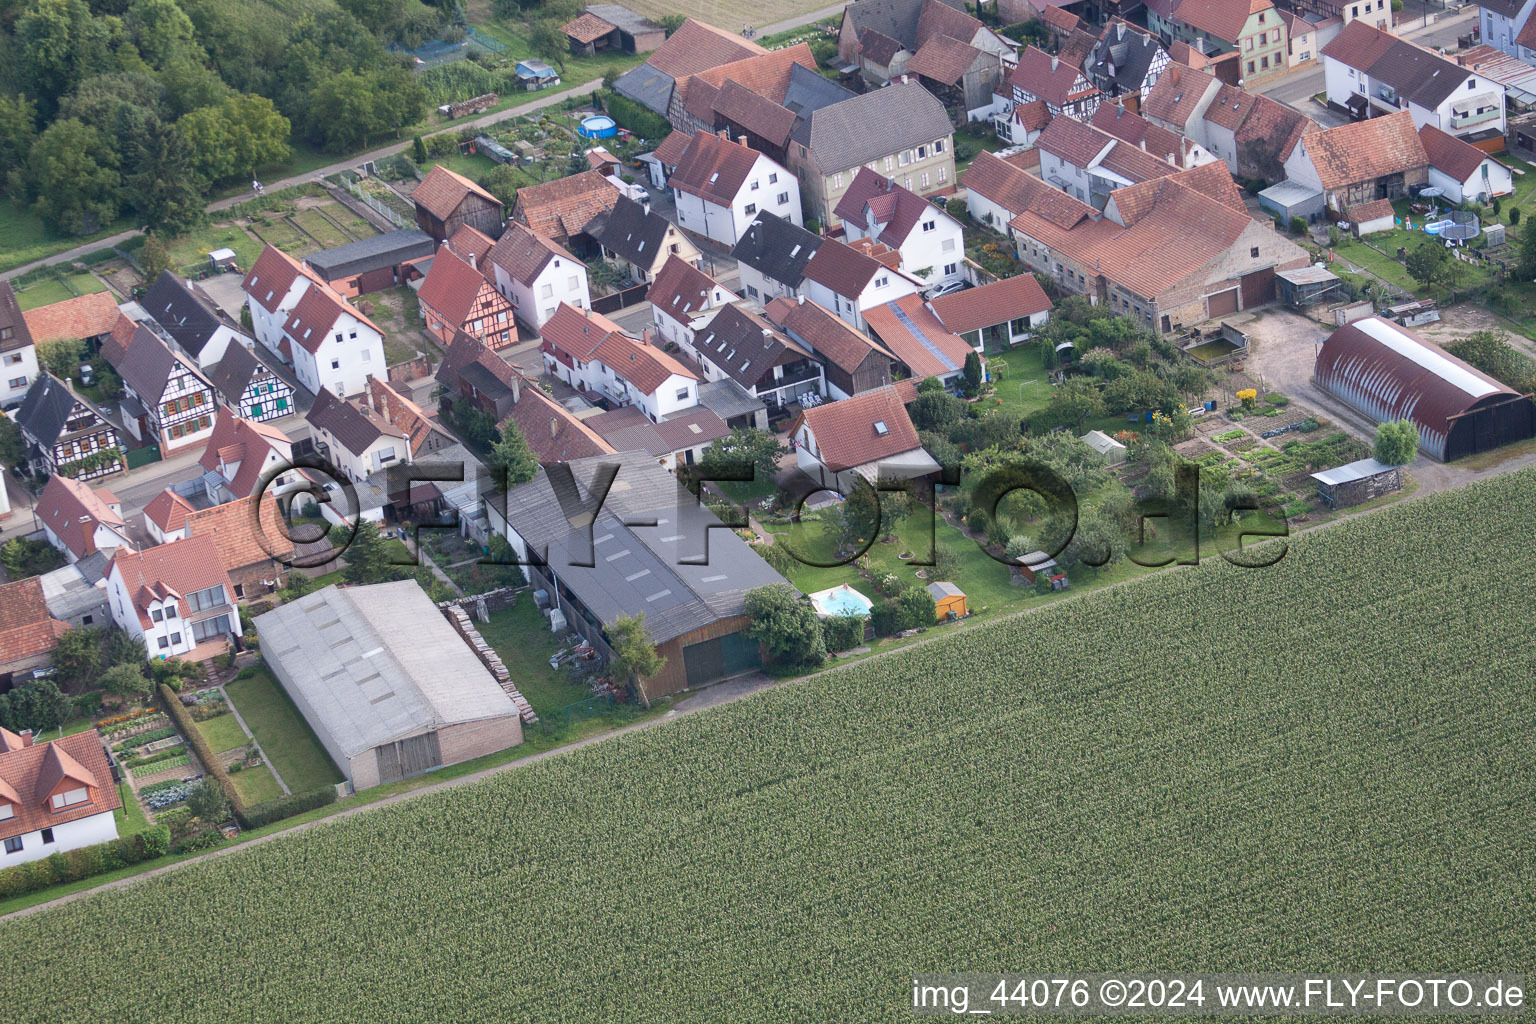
{"points": [[1258, 287], [1221, 303], [720, 658], [407, 757]]}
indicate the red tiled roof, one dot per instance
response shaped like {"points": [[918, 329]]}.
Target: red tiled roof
{"points": [[910, 349], [453, 288], [314, 316], [26, 628], [29, 777], [645, 366], [168, 510], [1176, 95], [1032, 115], [241, 540], [940, 19], [831, 336], [672, 147], [697, 47], [354, 427], [1073, 141], [846, 269], [442, 190], [1129, 126], [401, 411], [566, 206], [551, 431], [1053, 79], [586, 29], [524, 253], [167, 570], [845, 431], [944, 59], [272, 275], [991, 304], [1017, 191], [72, 510], [1364, 150], [754, 112], [1367, 212], [898, 209], [1447, 153], [681, 290], [469, 242], [1221, 19], [1359, 44], [252, 441], [84, 316], [1060, 19], [713, 169], [577, 332]]}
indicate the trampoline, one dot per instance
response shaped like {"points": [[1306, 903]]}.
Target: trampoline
{"points": [[598, 127], [1456, 226]]}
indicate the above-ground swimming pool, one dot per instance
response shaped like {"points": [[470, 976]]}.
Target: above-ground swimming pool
{"points": [[840, 600], [599, 127]]}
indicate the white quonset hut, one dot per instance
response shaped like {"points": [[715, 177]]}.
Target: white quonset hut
{"points": [[388, 685]]}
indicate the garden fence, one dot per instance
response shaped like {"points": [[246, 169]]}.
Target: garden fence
{"points": [[351, 184], [589, 708]]}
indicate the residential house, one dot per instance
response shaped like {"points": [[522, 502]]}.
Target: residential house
{"points": [[692, 48], [1466, 173], [66, 434], [566, 210], [1181, 152], [851, 362], [771, 257], [732, 341], [191, 321], [28, 631], [536, 274], [1355, 164], [680, 440], [165, 517], [1302, 44], [1370, 72], [372, 264], [593, 354], [80, 520], [248, 385], [1056, 81], [868, 438], [1125, 63], [329, 342], [931, 242], [1252, 134], [249, 533], [901, 131], [18, 352], [997, 190], [1179, 98], [1503, 24], [1377, 13], [720, 186], [456, 296], [691, 579], [710, 99], [1079, 159], [1142, 258], [473, 373], [640, 241], [247, 457], [445, 200], [681, 298], [177, 598], [923, 347], [55, 796], [83, 318], [357, 441], [849, 279], [423, 436], [882, 37], [998, 315], [1019, 124], [166, 400], [1253, 29]]}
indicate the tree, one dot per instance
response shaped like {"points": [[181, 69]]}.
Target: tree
{"points": [[1070, 405], [125, 680], [512, 462], [786, 625], [63, 358], [501, 181], [154, 258], [39, 705], [74, 175], [118, 647], [23, 558], [12, 448], [937, 410], [367, 557], [929, 384], [1427, 263], [915, 608], [635, 657], [972, 373], [745, 447], [232, 139], [1397, 442], [18, 130], [419, 150], [478, 428], [549, 42], [208, 802], [78, 654]]}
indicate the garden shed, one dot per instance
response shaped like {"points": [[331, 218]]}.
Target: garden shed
{"points": [[1112, 450], [948, 600], [1356, 482]]}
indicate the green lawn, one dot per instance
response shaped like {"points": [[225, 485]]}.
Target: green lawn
{"points": [[44, 293], [23, 238], [1025, 389], [285, 737], [577, 70], [193, 249], [222, 733], [130, 818], [256, 785], [322, 229], [522, 637], [278, 232]]}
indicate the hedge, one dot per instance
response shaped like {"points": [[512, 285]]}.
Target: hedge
{"points": [[285, 807], [212, 766], [83, 862], [643, 121]]}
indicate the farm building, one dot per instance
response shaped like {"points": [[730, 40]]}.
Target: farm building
{"points": [[948, 600], [389, 686], [1351, 484], [445, 200], [372, 264], [1387, 373], [1307, 286]]}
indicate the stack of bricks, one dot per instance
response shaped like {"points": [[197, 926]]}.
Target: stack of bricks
{"points": [[460, 619]]}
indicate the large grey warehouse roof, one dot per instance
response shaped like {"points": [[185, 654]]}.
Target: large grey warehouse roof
{"points": [[638, 568], [379, 663], [387, 250]]}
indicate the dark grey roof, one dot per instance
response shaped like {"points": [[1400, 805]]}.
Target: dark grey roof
{"points": [[648, 86], [636, 568], [146, 364], [874, 125], [727, 399], [777, 249], [1418, 75], [188, 314], [810, 91], [93, 567], [387, 250], [46, 409], [1130, 52], [234, 371], [10, 317], [624, 19], [895, 18], [743, 345], [352, 427], [633, 233]]}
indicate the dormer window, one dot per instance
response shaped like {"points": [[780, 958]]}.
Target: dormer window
{"points": [[882, 281], [70, 798]]}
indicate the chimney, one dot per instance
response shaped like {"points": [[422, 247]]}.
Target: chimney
{"points": [[1143, 145], [26, 737], [724, 134], [741, 139], [554, 426], [1171, 160], [801, 298], [517, 387], [1120, 106], [1055, 61]]}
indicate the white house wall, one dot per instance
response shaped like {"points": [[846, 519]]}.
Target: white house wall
{"points": [[18, 370], [561, 280], [71, 835]]}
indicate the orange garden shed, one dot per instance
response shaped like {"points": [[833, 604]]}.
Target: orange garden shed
{"points": [[948, 600]]}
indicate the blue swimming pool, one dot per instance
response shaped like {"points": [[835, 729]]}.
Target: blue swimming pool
{"points": [[841, 600]]}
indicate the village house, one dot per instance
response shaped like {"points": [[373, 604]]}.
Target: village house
{"points": [[868, 438], [247, 457], [55, 796], [849, 279], [66, 434], [248, 385], [1377, 13], [709, 99], [1466, 173], [681, 298], [1125, 63], [1358, 163], [680, 440], [594, 355], [356, 440], [445, 200], [1506, 26], [997, 190], [536, 274], [1053, 79], [1181, 152], [80, 520], [423, 436], [177, 598], [693, 48], [639, 241], [883, 37], [909, 329], [1019, 124], [931, 242], [902, 131], [1253, 29], [720, 186], [851, 362], [1089, 164], [771, 257], [28, 631], [1369, 72], [609, 28], [18, 352], [473, 373], [88, 318], [166, 399], [372, 264], [998, 315], [733, 342], [566, 210], [456, 296], [191, 321], [1251, 134], [165, 517], [254, 552]]}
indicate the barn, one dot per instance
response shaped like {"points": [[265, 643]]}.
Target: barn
{"points": [[388, 685], [1387, 373]]}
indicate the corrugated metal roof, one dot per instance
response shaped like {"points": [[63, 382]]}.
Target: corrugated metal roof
{"points": [[1361, 470]]}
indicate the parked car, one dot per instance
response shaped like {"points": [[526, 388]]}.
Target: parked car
{"points": [[948, 289], [87, 375]]}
